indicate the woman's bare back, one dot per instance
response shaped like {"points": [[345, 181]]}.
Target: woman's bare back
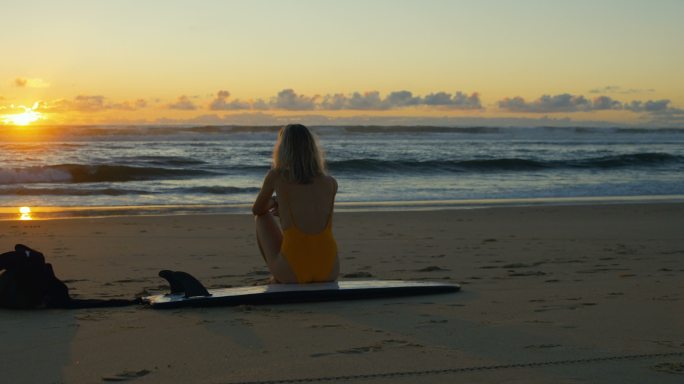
{"points": [[310, 205]]}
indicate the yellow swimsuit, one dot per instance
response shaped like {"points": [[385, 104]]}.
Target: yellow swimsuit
{"points": [[311, 256]]}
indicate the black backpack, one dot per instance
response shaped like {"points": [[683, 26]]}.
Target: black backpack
{"points": [[29, 282]]}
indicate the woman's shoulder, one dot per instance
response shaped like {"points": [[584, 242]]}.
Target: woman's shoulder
{"points": [[273, 179], [273, 175], [334, 182], [330, 181]]}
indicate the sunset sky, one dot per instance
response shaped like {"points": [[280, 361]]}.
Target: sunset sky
{"points": [[344, 62]]}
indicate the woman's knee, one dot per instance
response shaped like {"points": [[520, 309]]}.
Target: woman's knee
{"points": [[265, 220], [260, 218]]}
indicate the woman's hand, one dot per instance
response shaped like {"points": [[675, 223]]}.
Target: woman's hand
{"points": [[263, 203]]}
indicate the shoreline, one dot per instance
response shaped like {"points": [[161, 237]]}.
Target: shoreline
{"points": [[8, 213]]}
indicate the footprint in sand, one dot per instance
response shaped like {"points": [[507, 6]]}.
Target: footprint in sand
{"points": [[355, 275], [258, 273], [527, 273], [131, 281], [516, 265], [542, 346], [379, 346], [669, 367], [316, 326], [432, 268], [627, 275], [674, 252], [126, 375]]}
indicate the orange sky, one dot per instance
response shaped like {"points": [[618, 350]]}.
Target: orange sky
{"points": [[263, 62]]}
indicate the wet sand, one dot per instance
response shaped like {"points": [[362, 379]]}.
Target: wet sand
{"points": [[553, 283]]}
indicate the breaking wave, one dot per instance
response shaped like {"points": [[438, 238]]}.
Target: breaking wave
{"points": [[78, 173], [505, 164]]}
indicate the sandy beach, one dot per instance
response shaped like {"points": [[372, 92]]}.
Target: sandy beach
{"points": [[539, 284]]}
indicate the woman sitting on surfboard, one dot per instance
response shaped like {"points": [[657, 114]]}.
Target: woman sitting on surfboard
{"points": [[301, 248]]}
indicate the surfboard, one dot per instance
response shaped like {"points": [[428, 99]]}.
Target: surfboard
{"points": [[292, 293]]}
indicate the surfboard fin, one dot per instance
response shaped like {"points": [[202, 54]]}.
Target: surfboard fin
{"points": [[183, 282], [192, 286], [174, 283]]}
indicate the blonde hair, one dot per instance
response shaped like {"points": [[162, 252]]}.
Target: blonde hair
{"points": [[296, 154]]}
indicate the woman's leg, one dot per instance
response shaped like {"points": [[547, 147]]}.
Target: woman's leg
{"points": [[335, 273], [270, 237]]}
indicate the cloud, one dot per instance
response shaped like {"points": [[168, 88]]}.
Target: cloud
{"points": [[93, 103], [605, 103], [547, 104], [357, 101], [288, 99], [23, 82], [459, 100], [648, 106], [439, 98], [129, 105], [613, 89], [659, 110], [670, 117], [399, 99], [334, 102], [260, 105], [220, 103], [366, 101], [564, 102], [183, 103], [372, 101]]}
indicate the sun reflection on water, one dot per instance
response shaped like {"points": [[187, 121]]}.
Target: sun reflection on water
{"points": [[25, 213]]}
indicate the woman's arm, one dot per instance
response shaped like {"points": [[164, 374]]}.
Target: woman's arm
{"points": [[264, 202]]}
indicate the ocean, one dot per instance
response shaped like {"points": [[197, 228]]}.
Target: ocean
{"points": [[156, 169]]}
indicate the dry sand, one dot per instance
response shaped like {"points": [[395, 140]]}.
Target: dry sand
{"points": [[539, 284]]}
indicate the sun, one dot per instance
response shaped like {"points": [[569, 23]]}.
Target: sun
{"points": [[27, 117]]}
